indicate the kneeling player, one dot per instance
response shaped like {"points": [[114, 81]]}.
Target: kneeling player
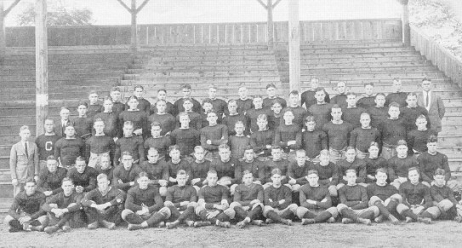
{"points": [[213, 200], [315, 202], [278, 201], [248, 202], [384, 196], [62, 208], [353, 198], [25, 213], [445, 206], [416, 198], [103, 205], [143, 204]]}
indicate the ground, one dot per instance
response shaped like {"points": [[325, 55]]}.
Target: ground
{"points": [[439, 234]]}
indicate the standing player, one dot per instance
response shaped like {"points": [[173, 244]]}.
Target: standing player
{"points": [[162, 96], [158, 141], [239, 142], [352, 113], [93, 107], [340, 98], [184, 137], [143, 104], [244, 103], [262, 139], [116, 98], [320, 109], [219, 105], [399, 165], [271, 92], [313, 141], [391, 130], [432, 103], [361, 137], [411, 112], [417, 138], [165, 120], [24, 161], [214, 134], [275, 116], [103, 205], [129, 143], [397, 95], [379, 112], [83, 123], [83, 176], [51, 177], [138, 117], [308, 97], [278, 206], [194, 117], [315, 202], [110, 118], [384, 196], [253, 114], [46, 142], [298, 111], [338, 133], [179, 104], [233, 116], [69, 148], [367, 100], [98, 145]]}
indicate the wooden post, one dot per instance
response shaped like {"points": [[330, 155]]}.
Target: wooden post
{"points": [[270, 24], [405, 23], [2, 33], [294, 45], [41, 64], [134, 30]]}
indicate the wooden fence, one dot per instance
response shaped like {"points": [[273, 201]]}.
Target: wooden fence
{"points": [[439, 55], [209, 33]]}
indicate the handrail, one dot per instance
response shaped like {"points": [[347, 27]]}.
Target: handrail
{"points": [[440, 56]]}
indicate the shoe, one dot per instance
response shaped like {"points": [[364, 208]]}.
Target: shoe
{"points": [[286, 222], [202, 223], [379, 219], [26, 227], [409, 220], [424, 220], [109, 225], [347, 221], [171, 225], [189, 223], [161, 224], [307, 221], [269, 221], [393, 219], [224, 224], [51, 229], [66, 228], [14, 229], [364, 221], [331, 220], [133, 227], [93, 225], [458, 219], [241, 224], [258, 222], [36, 228]]}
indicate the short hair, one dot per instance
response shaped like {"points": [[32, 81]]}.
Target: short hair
{"points": [[212, 86], [401, 143], [132, 97], [381, 170], [115, 88], [276, 171], [143, 174], [187, 100], [182, 114], [350, 148], [336, 106], [51, 157], [246, 172], [82, 103], [350, 93], [432, 139], [373, 143], [411, 94], [426, 79], [108, 98], [186, 86], [212, 112], [247, 148], [49, 119], [80, 159], [173, 148], [30, 180], [181, 173], [223, 147], [276, 102], [22, 128], [106, 155], [126, 153], [242, 86], [289, 111], [324, 152], [413, 169], [98, 120], [92, 92], [379, 94], [155, 124], [64, 108], [67, 179], [159, 100], [421, 117], [212, 171], [364, 113], [440, 172], [320, 89], [232, 100], [394, 105], [198, 148], [310, 118], [153, 149], [206, 101], [262, 117], [128, 123], [368, 83], [300, 151], [138, 87], [396, 79], [270, 85], [257, 96], [294, 92], [164, 90], [312, 172], [240, 123], [275, 147], [101, 177], [350, 171]]}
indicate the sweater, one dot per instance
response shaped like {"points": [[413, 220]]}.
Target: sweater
{"points": [[238, 144], [398, 167], [67, 150], [354, 197], [177, 195], [308, 98], [317, 194], [382, 192], [218, 135], [199, 170], [353, 115], [29, 204], [149, 197], [51, 181], [313, 142], [273, 195], [298, 172], [328, 174], [398, 97], [46, 145], [268, 102], [133, 144], [225, 169], [260, 139], [245, 194], [299, 115], [156, 171], [111, 124], [244, 105], [409, 116], [166, 121], [286, 133], [161, 144], [415, 194], [86, 179], [213, 195], [378, 115], [139, 119], [252, 115], [230, 121], [99, 145], [114, 196], [429, 163], [392, 131], [256, 167], [358, 165], [186, 139], [83, 126], [321, 114], [417, 140], [338, 134], [361, 138], [123, 178], [340, 100]]}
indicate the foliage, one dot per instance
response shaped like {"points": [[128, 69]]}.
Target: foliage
{"points": [[57, 17]]}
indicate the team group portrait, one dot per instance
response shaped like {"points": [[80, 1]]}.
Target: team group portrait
{"points": [[270, 134]]}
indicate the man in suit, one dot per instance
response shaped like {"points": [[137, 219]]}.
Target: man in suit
{"points": [[63, 122], [24, 161], [433, 103]]}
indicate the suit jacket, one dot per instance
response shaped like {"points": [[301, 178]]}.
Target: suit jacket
{"points": [[435, 111], [24, 166], [59, 130]]}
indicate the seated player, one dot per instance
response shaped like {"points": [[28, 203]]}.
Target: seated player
{"points": [[379, 112], [275, 116], [353, 205], [110, 117], [143, 104], [315, 202], [157, 170], [198, 168], [351, 162], [410, 113], [226, 168], [313, 141], [374, 162], [213, 200], [367, 100], [262, 140], [340, 98], [247, 206], [51, 177], [338, 132], [272, 97], [288, 135], [253, 113], [25, 213], [298, 111], [125, 174], [417, 138], [116, 97], [63, 209], [180, 202], [327, 173], [104, 204], [384, 196], [249, 163], [391, 130], [194, 117], [276, 162], [320, 109], [82, 123], [219, 105], [297, 170], [352, 113], [46, 142], [94, 107], [361, 137], [98, 145], [165, 119], [398, 165], [129, 143], [244, 103], [416, 198], [83, 176], [278, 206], [233, 116], [309, 97], [143, 205], [69, 148], [106, 168], [175, 164], [137, 116], [158, 141], [397, 95], [445, 206], [213, 135], [239, 141], [184, 137], [431, 160]]}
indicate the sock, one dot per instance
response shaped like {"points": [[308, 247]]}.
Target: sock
{"points": [[309, 215], [391, 207], [155, 219], [254, 213], [274, 216], [348, 213], [368, 214], [409, 213], [222, 217], [134, 219], [175, 214], [240, 213], [186, 214], [322, 217], [203, 215], [383, 210], [287, 215], [426, 214]]}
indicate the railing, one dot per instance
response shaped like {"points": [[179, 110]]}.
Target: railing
{"points": [[440, 56], [209, 33]]}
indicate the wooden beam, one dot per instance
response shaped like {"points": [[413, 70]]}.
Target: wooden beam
{"points": [[134, 29], [2, 34], [405, 24], [125, 6], [41, 64], [294, 45], [7, 11], [270, 25], [263, 4], [276, 3], [142, 6]]}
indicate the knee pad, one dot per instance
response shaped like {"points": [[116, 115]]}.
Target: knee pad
{"points": [[301, 211], [341, 206], [333, 190], [266, 209], [232, 189], [445, 205], [163, 191], [376, 210], [333, 211], [397, 197], [374, 200], [230, 213], [401, 207], [434, 211], [125, 213], [165, 211], [234, 204], [293, 208]]}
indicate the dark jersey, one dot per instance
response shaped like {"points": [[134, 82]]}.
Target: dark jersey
{"points": [[46, 145]]}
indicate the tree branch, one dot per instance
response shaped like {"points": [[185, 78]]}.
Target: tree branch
{"points": [[276, 3], [262, 4], [11, 7], [142, 6], [125, 6]]}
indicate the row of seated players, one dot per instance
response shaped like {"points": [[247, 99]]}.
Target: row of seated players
{"points": [[141, 205]]}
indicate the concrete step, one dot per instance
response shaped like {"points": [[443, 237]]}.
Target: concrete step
{"points": [[5, 204]]}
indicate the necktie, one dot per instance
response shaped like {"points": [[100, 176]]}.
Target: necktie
{"points": [[25, 149], [427, 103]]}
